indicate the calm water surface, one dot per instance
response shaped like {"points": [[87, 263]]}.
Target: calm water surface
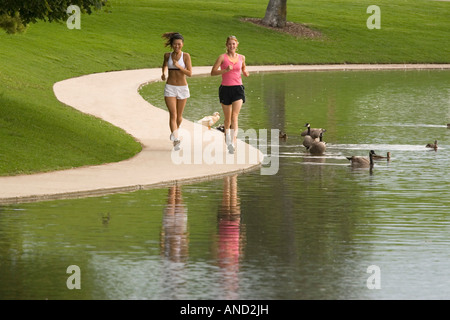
{"points": [[309, 232]]}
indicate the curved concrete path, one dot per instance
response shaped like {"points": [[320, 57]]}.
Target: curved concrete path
{"points": [[114, 97]]}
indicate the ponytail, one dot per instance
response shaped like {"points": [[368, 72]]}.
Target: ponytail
{"points": [[171, 36]]}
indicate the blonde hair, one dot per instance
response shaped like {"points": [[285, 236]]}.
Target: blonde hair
{"points": [[232, 38]]}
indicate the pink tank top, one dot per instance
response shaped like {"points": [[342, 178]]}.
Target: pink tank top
{"points": [[233, 77]]}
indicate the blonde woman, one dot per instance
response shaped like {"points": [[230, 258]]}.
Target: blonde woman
{"points": [[231, 91], [176, 91]]}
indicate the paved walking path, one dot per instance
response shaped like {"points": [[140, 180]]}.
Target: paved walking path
{"points": [[114, 97]]}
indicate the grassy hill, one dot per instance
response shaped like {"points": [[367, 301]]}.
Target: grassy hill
{"points": [[37, 133]]}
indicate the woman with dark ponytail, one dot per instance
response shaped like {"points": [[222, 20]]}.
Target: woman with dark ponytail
{"points": [[176, 91]]}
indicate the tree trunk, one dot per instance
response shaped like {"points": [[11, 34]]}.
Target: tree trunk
{"points": [[275, 14]]}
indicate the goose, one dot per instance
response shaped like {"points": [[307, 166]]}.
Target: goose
{"points": [[307, 141], [209, 120], [432, 145], [361, 162], [318, 147], [282, 135], [313, 132], [377, 156], [105, 218]]}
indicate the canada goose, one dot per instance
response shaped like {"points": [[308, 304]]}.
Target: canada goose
{"points": [[209, 120], [432, 145], [221, 128], [105, 218], [318, 147], [377, 156], [282, 135], [313, 132], [307, 141], [361, 162]]}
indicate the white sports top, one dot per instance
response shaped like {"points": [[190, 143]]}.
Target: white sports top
{"points": [[170, 64]]}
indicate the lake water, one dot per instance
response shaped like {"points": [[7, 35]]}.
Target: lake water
{"points": [[318, 229]]}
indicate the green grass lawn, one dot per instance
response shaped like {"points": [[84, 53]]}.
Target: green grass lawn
{"points": [[37, 133]]}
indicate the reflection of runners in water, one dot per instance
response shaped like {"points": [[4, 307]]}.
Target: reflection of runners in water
{"points": [[231, 237], [174, 232], [231, 91], [176, 91]]}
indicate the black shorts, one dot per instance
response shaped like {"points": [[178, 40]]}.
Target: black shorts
{"points": [[229, 94]]}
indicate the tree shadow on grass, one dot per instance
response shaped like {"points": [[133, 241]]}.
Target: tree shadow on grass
{"points": [[297, 30]]}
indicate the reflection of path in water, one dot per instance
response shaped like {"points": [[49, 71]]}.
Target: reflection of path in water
{"points": [[230, 240], [174, 233]]}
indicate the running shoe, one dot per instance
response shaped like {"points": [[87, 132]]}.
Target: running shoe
{"points": [[176, 145], [230, 148]]}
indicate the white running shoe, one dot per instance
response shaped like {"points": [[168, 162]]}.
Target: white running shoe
{"points": [[230, 148], [176, 144]]}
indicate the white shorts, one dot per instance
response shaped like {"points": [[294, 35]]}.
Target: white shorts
{"points": [[179, 92]]}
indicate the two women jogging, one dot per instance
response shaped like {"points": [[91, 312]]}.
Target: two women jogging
{"points": [[231, 91]]}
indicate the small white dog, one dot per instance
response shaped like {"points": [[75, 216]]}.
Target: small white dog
{"points": [[209, 121]]}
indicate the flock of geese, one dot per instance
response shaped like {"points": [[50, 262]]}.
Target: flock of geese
{"points": [[313, 142]]}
